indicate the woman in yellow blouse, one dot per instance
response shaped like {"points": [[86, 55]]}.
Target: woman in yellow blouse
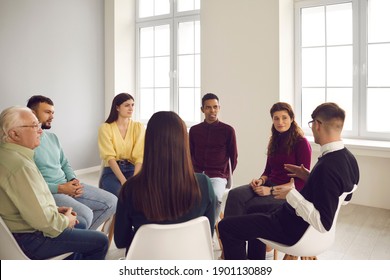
{"points": [[121, 144]]}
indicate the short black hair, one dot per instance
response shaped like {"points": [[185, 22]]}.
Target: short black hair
{"points": [[209, 96], [34, 101]]}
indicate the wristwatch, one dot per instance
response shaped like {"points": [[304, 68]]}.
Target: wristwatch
{"points": [[272, 190]]}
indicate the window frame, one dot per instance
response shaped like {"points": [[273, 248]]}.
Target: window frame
{"points": [[360, 56], [173, 19]]}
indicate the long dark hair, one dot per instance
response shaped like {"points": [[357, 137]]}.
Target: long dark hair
{"points": [[166, 187], [293, 134], [117, 101]]}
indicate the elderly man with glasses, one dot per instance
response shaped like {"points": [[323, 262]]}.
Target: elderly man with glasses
{"points": [[26, 205]]}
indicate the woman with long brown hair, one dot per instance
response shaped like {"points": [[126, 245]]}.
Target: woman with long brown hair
{"points": [[287, 145], [121, 144], [166, 190]]}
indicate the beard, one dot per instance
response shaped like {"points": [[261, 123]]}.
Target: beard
{"points": [[46, 126]]}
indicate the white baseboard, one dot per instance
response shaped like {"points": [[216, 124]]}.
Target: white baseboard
{"points": [[87, 170]]}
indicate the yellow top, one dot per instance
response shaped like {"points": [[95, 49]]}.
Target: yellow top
{"points": [[113, 146]]}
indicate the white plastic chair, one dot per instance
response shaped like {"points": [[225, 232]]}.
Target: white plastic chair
{"points": [[9, 248], [313, 242], [189, 240]]}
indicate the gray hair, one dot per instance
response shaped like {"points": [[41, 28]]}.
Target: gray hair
{"points": [[10, 118]]}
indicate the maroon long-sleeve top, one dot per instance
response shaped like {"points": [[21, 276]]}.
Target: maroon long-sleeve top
{"points": [[212, 145], [300, 154]]}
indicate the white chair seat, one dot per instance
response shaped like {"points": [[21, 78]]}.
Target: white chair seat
{"points": [[9, 248], [190, 240], [313, 242]]}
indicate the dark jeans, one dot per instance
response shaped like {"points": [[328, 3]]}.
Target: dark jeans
{"points": [[110, 182], [243, 200], [86, 244]]}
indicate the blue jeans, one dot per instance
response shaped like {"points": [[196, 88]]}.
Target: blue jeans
{"points": [[110, 182], [86, 244], [93, 208], [219, 186]]}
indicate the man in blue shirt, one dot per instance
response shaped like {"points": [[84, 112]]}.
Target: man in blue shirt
{"points": [[93, 205]]}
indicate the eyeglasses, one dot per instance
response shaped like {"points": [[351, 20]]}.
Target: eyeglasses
{"points": [[310, 124], [37, 126]]}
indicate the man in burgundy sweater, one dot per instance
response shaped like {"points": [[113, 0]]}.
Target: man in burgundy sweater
{"points": [[213, 144]]}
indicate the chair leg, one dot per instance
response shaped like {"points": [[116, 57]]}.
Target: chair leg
{"points": [[313, 258], [291, 257], [288, 257], [108, 228], [275, 254], [221, 215]]}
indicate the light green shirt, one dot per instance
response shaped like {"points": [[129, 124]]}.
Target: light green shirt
{"points": [[26, 204]]}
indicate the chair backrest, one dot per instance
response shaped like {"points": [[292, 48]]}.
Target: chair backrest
{"points": [[9, 248], [313, 242], [189, 240]]}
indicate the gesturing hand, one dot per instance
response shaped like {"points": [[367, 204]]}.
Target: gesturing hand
{"points": [[297, 171]]}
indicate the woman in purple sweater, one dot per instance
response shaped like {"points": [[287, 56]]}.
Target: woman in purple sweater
{"points": [[287, 145]]}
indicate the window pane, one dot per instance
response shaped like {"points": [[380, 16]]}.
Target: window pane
{"points": [[339, 24], [148, 8], [186, 69], [187, 104], [313, 27], [186, 38], [146, 42], [378, 100], [311, 98], [162, 40], [343, 97], [146, 103], [197, 70], [197, 105], [162, 69], [145, 8], [162, 100], [197, 36], [188, 5], [339, 66], [146, 72], [161, 7], [313, 67], [378, 21], [378, 65]]}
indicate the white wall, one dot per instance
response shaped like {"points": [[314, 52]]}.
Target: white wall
{"points": [[55, 48], [247, 56], [240, 63]]}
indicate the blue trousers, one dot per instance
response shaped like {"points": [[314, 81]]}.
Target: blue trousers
{"points": [[110, 182], [93, 208], [86, 244]]}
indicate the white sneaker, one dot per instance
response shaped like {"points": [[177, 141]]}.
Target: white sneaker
{"points": [[269, 255]]}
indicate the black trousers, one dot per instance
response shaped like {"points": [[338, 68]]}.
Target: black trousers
{"points": [[243, 200], [236, 230]]}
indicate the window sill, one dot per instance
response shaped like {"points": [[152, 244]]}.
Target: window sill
{"points": [[361, 147]]}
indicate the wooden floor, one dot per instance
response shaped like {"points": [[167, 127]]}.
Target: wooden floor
{"points": [[362, 233]]}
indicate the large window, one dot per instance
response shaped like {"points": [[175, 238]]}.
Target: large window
{"points": [[168, 58], [343, 56]]}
